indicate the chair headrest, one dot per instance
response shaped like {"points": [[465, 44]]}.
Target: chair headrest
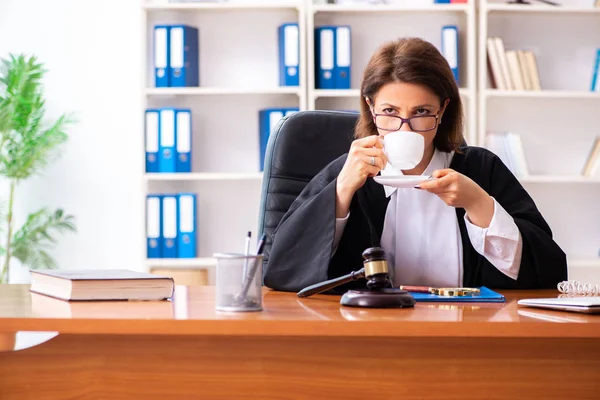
{"points": [[307, 141]]}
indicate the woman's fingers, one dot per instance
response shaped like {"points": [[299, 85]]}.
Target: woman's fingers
{"points": [[370, 141]]}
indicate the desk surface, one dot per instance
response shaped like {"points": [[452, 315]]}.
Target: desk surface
{"points": [[191, 312]]}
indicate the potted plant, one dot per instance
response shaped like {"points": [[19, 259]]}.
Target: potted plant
{"points": [[28, 143]]}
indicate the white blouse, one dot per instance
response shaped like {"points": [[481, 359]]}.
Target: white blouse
{"points": [[422, 239]]}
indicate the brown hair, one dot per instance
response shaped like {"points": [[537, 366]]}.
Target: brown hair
{"points": [[413, 60]]}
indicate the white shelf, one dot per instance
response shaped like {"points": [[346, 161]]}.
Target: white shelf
{"points": [[584, 262], [335, 93], [359, 8], [558, 179], [316, 93], [222, 6], [540, 8], [181, 262], [544, 94], [204, 91], [204, 176]]}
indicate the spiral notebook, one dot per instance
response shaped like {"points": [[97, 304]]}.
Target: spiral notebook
{"points": [[575, 297], [485, 295], [588, 305]]}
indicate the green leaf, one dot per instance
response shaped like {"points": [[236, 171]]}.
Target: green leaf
{"points": [[27, 142], [33, 240]]}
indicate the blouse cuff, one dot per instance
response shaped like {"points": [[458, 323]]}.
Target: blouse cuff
{"points": [[501, 242]]}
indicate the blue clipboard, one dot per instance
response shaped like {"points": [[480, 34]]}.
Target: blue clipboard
{"points": [[485, 296]]}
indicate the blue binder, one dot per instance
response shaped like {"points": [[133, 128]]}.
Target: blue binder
{"points": [[289, 54], [152, 135], [186, 236], [166, 159], [485, 296], [450, 48], [162, 71], [169, 225], [184, 61], [183, 139], [343, 57], [596, 74], [153, 226], [268, 119], [325, 57]]}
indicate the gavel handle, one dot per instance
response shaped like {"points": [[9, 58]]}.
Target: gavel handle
{"points": [[330, 284]]}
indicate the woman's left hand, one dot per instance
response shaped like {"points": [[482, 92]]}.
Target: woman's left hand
{"points": [[458, 190]]}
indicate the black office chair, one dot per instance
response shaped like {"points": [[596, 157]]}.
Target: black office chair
{"points": [[298, 148]]}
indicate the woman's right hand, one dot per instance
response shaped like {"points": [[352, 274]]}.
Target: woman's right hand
{"points": [[365, 159]]}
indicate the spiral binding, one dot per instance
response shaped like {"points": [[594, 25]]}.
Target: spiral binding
{"points": [[578, 288]]}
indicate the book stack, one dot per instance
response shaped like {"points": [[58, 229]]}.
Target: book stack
{"points": [[509, 148], [110, 284], [512, 69]]}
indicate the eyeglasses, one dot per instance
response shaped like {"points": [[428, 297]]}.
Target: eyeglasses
{"points": [[418, 123]]}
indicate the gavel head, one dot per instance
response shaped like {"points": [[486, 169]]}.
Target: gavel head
{"points": [[376, 268]]}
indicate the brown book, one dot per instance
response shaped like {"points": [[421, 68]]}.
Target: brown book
{"points": [[99, 284], [50, 307]]}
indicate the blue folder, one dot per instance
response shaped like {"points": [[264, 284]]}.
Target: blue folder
{"points": [[289, 54], [596, 74], [162, 70], [485, 296], [325, 57], [183, 57], [450, 49]]}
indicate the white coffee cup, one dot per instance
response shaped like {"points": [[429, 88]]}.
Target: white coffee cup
{"points": [[404, 149]]}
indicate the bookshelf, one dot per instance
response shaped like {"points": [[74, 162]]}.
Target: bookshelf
{"points": [[373, 24], [236, 81], [241, 78], [554, 122]]}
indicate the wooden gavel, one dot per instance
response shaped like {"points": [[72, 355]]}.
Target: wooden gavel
{"points": [[375, 269]]}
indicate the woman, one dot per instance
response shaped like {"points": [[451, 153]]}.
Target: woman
{"points": [[473, 225]]}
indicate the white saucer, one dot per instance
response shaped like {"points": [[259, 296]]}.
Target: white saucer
{"points": [[401, 181]]}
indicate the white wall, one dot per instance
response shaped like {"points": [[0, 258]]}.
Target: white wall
{"points": [[93, 55]]}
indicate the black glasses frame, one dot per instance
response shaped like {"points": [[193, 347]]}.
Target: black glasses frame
{"points": [[407, 120]]}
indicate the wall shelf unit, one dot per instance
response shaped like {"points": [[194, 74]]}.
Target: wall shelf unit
{"points": [[239, 79], [555, 123]]}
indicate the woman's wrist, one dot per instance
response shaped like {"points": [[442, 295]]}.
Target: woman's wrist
{"points": [[481, 211], [343, 198]]}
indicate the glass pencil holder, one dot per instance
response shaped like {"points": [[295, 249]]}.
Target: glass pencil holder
{"points": [[238, 282]]}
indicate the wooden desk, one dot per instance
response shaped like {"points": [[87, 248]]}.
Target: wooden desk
{"points": [[296, 349]]}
